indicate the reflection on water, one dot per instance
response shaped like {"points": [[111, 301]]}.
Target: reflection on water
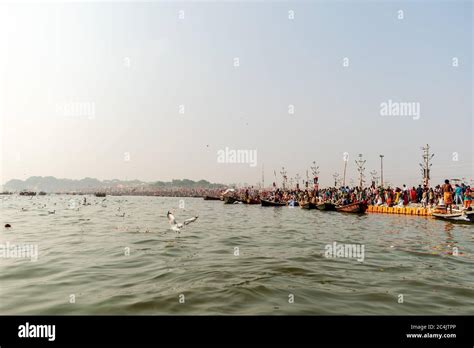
{"points": [[134, 264]]}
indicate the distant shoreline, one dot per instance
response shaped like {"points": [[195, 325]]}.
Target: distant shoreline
{"points": [[128, 194]]}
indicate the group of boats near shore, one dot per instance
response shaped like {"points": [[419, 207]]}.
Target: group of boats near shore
{"points": [[358, 207], [353, 205]]}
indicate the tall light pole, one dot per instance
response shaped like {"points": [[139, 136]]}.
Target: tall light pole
{"points": [[346, 159], [335, 176], [426, 165], [373, 173], [283, 174], [360, 168], [315, 169], [381, 170]]}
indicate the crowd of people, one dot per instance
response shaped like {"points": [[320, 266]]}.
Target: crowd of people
{"points": [[341, 196], [447, 195], [440, 195], [459, 195]]}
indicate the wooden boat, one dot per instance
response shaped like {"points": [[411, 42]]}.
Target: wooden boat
{"points": [[440, 210], [251, 201], [211, 198], [357, 208], [470, 215], [307, 205], [467, 217], [27, 193], [266, 203], [326, 206], [230, 200]]}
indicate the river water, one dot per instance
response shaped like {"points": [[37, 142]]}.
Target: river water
{"points": [[235, 259]]}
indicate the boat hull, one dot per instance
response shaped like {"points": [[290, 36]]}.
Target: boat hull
{"points": [[307, 205], [326, 206], [266, 203], [457, 217], [355, 208], [25, 193], [230, 200], [469, 215], [251, 201]]}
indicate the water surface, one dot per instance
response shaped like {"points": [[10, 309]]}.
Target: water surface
{"points": [[137, 265]]}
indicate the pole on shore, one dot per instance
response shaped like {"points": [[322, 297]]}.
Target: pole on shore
{"points": [[346, 159], [381, 170], [335, 176], [283, 174], [374, 177], [426, 165], [360, 168]]}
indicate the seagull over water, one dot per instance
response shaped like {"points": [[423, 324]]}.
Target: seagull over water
{"points": [[175, 226]]}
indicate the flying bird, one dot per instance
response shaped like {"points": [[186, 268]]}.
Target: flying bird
{"points": [[175, 226]]}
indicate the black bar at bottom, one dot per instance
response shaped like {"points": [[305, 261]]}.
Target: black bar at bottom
{"points": [[224, 330]]}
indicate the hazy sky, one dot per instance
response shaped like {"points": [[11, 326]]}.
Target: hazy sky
{"points": [[94, 89]]}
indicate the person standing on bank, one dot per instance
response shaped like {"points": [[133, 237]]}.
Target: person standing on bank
{"points": [[448, 195]]}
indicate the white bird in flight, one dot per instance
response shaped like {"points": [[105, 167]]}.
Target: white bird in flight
{"points": [[175, 226]]}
